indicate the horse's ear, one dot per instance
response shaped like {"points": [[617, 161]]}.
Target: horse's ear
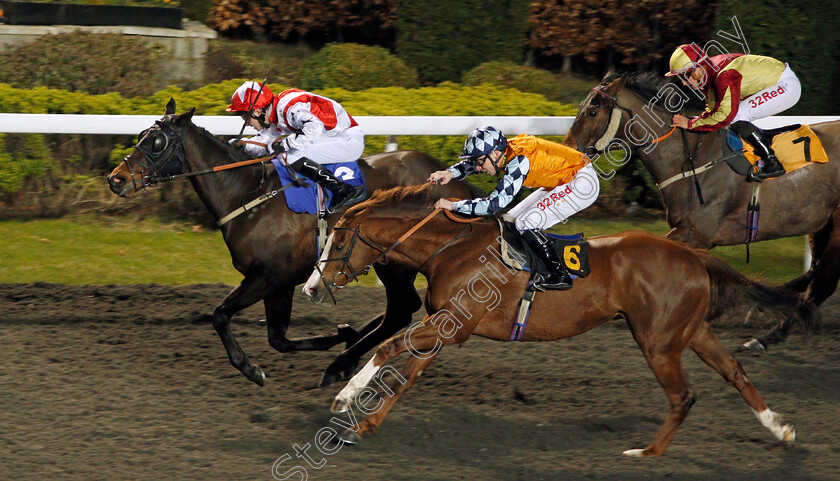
{"points": [[170, 107], [614, 86], [185, 117]]}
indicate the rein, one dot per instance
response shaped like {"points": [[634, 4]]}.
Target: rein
{"points": [[176, 150], [689, 155], [218, 168], [383, 251]]}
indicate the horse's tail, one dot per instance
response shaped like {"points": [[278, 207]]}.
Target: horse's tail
{"points": [[730, 288]]}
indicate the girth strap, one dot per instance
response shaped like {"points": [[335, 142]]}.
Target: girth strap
{"points": [[522, 316], [753, 209]]}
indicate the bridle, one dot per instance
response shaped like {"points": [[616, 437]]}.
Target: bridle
{"points": [[166, 146], [348, 274], [612, 126], [607, 136]]}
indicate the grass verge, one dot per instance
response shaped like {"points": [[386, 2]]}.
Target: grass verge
{"points": [[94, 250]]}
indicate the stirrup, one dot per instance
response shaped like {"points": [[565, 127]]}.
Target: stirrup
{"points": [[769, 174], [357, 194], [563, 283]]}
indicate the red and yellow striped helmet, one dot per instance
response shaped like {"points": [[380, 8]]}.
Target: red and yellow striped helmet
{"points": [[685, 58]]}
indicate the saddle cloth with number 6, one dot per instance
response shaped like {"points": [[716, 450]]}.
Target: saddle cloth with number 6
{"points": [[573, 250]]}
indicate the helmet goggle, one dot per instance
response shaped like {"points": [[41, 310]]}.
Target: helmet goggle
{"points": [[246, 116], [480, 160]]}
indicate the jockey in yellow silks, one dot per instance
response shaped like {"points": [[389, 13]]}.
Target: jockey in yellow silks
{"points": [[564, 179], [739, 89]]}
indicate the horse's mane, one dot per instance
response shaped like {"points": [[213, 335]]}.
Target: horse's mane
{"points": [[647, 85], [237, 154], [403, 200]]}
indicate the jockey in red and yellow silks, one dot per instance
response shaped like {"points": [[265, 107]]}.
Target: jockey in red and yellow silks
{"points": [[739, 89], [565, 183], [317, 131]]}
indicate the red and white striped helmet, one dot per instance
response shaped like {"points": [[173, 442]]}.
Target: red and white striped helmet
{"points": [[249, 96]]}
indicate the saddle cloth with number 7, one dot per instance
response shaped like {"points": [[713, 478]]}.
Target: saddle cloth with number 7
{"points": [[794, 149]]}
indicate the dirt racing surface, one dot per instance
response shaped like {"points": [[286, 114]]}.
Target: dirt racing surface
{"points": [[132, 382]]}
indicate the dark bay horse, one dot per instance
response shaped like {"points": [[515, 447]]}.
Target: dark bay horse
{"points": [[669, 295], [636, 110], [273, 247]]}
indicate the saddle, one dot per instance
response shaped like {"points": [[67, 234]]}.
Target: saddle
{"points": [[310, 198], [795, 145], [573, 249]]}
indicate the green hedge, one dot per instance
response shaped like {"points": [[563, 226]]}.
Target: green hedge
{"points": [[445, 99], [355, 67], [561, 88], [82, 61]]}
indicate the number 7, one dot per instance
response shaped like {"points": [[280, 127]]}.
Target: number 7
{"points": [[807, 141]]}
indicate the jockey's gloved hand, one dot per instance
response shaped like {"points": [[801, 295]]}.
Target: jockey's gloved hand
{"points": [[234, 141], [278, 147]]}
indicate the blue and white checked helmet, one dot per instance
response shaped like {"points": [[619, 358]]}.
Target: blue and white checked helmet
{"points": [[483, 141]]}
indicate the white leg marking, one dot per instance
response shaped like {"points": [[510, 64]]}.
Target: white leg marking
{"points": [[315, 277], [346, 397], [633, 453], [772, 421]]}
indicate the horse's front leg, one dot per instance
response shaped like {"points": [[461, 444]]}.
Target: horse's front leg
{"points": [[250, 290], [278, 312], [402, 302]]}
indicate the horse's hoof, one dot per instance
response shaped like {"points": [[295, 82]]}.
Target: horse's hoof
{"points": [[753, 345], [350, 437], [340, 406], [634, 453], [257, 377], [349, 335], [788, 433], [328, 379]]}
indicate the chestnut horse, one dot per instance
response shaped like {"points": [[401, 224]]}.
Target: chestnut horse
{"points": [[635, 111], [668, 293], [273, 247]]}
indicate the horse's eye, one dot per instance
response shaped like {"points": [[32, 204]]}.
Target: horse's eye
{"points": [[593, 112], [338, 248]]}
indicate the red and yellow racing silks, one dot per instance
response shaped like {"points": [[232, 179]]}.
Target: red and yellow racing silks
{"points": [[733, 77], [552, 164]]}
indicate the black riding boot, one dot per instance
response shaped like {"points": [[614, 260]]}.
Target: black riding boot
{"points": [[761, 146], [342, 192], [558, 277]]}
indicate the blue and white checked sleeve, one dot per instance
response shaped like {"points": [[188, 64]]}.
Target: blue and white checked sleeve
{"points": [[461, 170], [516, 170]]}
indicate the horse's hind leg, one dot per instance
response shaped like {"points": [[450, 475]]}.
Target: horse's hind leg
{"points": [[816, 285], [667, 367], [402, 302], [250, 290], [826, 265], [377, 412], [709, 348], [424, 342], [278, 312], [820, 281]]}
